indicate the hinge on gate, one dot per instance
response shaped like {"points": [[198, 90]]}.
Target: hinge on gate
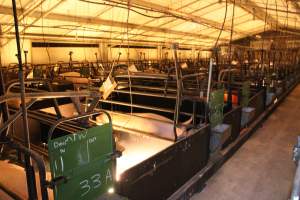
{"points": [[56, 181], [116, 154], [112, 156]]}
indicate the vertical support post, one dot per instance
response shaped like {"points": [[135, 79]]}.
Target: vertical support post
{"points": [[104, 51], [70, 59], [215, 53], [193, 51], [198, 58], [28, 168], [4, 113], [208, 88], [1, 46], [179, 88], [209, 79], [159, 53], [26, 62], [56, 105], [194, 113], [3, 106]]}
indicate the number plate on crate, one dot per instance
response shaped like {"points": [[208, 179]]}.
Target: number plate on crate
{"points": [[84, 159]]}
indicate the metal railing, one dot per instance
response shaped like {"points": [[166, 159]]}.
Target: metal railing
{"points": [[38, 160]]}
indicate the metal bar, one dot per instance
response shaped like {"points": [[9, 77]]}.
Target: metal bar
{"points": [[12, 119], [3, 106], [71, 127], [39, 163], [28, 168], [138, 106], [138, 116], [179, 90], [146, 94], [75, 118], [193, 75], [194, 113], [147, 107], [56, 106], [209, 79], [153, 88], [12, 194], [93, 105], [15, 83], [76, 102], [145, 76], [50, 95]]}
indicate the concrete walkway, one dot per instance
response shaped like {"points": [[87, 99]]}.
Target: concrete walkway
{"points": [[262, 169]]}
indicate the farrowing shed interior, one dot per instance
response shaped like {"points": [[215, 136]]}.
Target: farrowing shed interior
{"points": [[140, 99]]}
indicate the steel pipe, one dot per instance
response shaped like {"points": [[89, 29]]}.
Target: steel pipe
{"points": [[50, 95]]}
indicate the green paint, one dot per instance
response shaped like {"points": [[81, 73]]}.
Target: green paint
{"points": [[245, 94], [84, 158], [216, 104]]}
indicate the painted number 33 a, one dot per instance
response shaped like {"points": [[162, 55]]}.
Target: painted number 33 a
{"points": [[86, 185]]}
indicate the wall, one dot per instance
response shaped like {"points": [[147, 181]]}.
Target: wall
{"points": [[9, 51], [134, 53], [56, 54], [205, 54], [41, 55], [181, 54]]}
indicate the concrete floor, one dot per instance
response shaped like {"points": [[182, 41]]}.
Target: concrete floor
{"points": [[262, 169]]}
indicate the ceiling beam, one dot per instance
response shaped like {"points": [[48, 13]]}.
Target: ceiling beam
{"points": [[179, 14], [169, 21], [77, 27], [295, 5], [104, 22], [89, 39], [259, 13], [31, 7], [42, 15], [97, 15]]}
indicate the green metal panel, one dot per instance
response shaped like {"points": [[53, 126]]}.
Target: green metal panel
{"points": [[85, 159], [216, 104], [245, 93]]}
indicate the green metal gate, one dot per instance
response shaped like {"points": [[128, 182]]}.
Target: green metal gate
{"points": [[82, 164]]}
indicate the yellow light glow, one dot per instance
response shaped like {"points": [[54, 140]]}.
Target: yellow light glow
{"points": [[138, 147], [118, 177], [111, 190]]}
